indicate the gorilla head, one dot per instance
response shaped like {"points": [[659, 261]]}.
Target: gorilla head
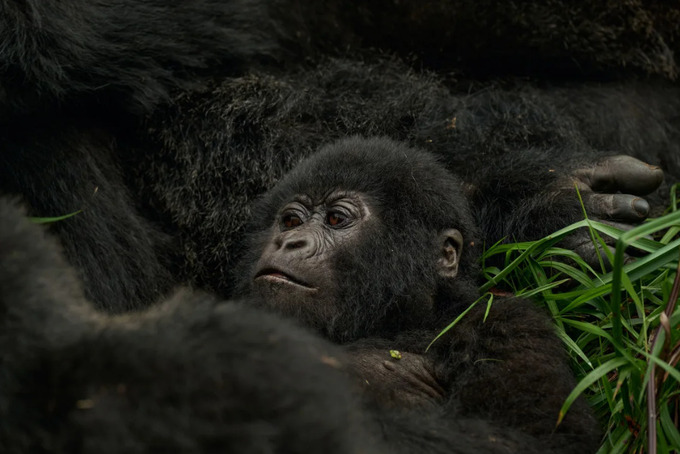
{"points": [[366, 237]]}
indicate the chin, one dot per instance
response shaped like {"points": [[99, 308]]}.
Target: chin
{"points": [[304, 304]]}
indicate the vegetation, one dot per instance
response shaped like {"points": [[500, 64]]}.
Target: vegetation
{"points": [[621, 327]]}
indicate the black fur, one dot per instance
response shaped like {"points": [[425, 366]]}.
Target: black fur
{"points": [[192, 375], [557, 38], [79, 79], [180, 115], [514, 145], [509, 368], [414, 198], [131, 53], [137, 50], [119, 254]]}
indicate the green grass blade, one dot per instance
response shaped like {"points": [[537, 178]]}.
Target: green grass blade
{"points": [[453, 323], [597, 373], [47, 220]]}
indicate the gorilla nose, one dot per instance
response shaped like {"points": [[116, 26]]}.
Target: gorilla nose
{"points": [[294, 243]]}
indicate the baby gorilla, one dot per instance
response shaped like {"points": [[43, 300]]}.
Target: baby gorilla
{"points": [[372, 244]]}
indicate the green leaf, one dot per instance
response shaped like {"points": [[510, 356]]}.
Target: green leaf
{"points": [[453, 323], [669, 427], [598, 373], [53, 219]]}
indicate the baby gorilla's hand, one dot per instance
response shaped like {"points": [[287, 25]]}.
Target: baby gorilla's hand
{"points": [[395, 383]]}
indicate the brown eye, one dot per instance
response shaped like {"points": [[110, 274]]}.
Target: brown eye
{"points": [[335, 219], [290, 221]]}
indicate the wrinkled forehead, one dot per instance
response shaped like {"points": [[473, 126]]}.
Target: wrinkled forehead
{"points": [[395, 180], [334, 195]]}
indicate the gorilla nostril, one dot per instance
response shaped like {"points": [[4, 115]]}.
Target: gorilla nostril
{"points": [[294, 244]]}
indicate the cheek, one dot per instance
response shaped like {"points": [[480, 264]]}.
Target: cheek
{"points": [[256, 248]]}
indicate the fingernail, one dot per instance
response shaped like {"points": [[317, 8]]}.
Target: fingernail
{"points": [[640, 206]]}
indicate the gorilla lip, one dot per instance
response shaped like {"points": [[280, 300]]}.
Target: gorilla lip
{"points": [[280, 276]]}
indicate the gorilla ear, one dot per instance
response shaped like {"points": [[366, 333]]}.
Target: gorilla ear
{"points": [[451, 244]]}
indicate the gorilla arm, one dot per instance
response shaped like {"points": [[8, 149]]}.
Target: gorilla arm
{"points": [[512, 367], [544, 192], [55, 51], [410, 403], [482, 368]]}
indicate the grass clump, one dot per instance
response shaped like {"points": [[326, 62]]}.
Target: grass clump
{"points": [[621, 327]]}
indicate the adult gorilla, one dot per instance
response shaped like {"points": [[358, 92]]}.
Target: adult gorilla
{"points": [[164, 196], [372, 244]]}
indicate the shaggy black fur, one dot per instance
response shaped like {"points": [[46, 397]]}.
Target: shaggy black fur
{"points": [[509, 368], [165, 196], [412, 198], [137, 50], [192, 375], [513, 145], [164, 120], [131, 53], [60, 169]]}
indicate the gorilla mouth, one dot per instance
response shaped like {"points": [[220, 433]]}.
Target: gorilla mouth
{"points": [[274, 275]]}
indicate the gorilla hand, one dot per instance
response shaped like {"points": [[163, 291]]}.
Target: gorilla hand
{"points": [[611, 193], [389, 382], [611, 189]]}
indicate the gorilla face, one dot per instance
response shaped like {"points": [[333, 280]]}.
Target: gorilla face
{"points": [[364, 238], [295, 273]]}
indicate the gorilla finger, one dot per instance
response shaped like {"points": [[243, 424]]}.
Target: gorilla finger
{"points": [[619, 225], [418, 376], [591, 253], [632, 250], [622, 173], [617, 207], [426, 380], [624, 227], [426, 387], [610, 240]]}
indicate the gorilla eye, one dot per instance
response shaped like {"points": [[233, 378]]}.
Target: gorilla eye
{"points": [[290, 221], [335, 219]]}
